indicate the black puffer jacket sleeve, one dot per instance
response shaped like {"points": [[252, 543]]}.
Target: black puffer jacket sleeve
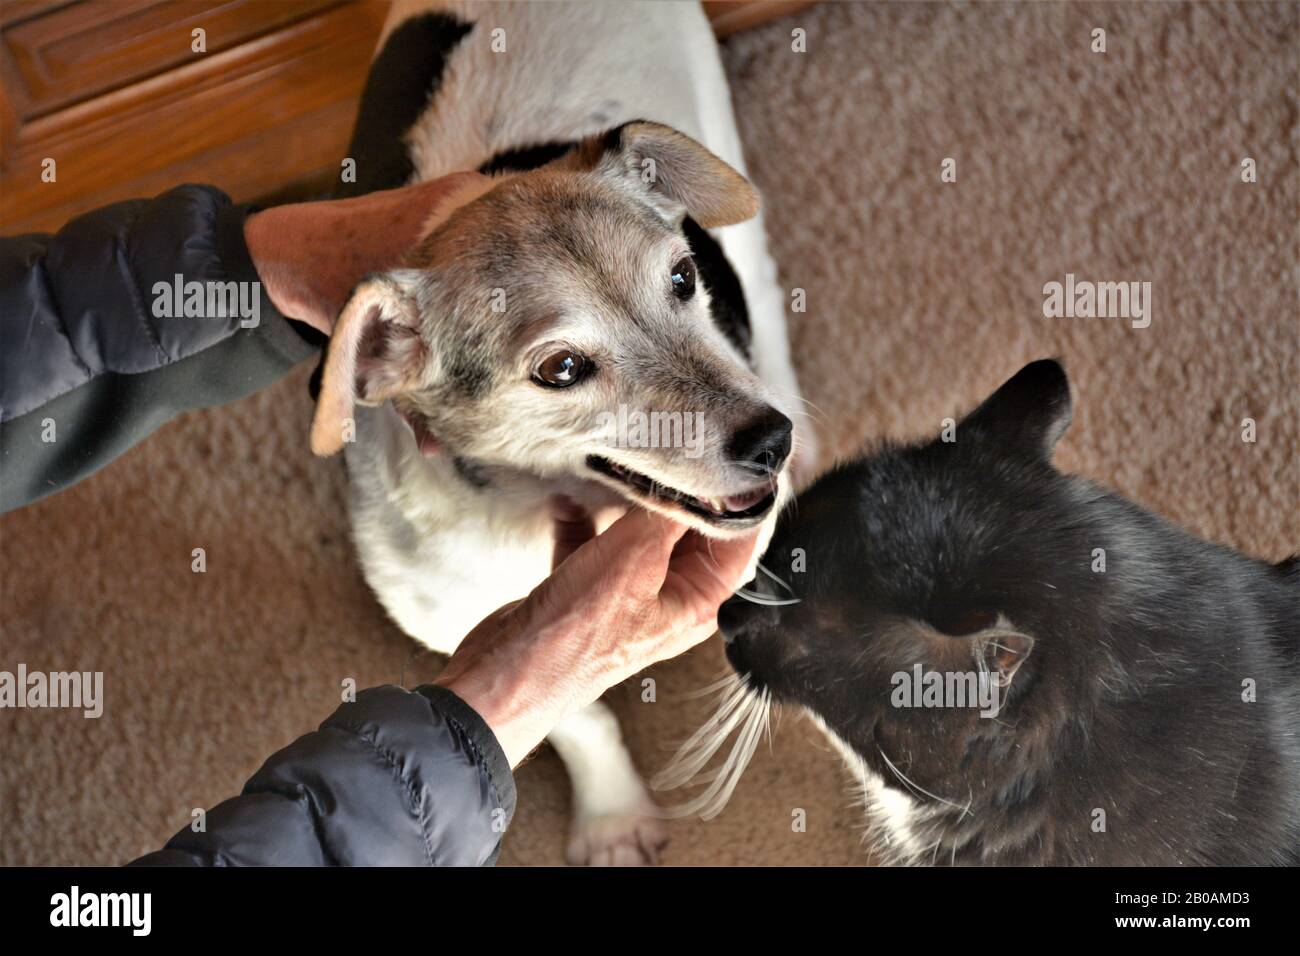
{"points": [[396, 778], [93, 355]]}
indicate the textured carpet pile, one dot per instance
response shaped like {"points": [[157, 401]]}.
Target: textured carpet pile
{"points": [[921, 296]]}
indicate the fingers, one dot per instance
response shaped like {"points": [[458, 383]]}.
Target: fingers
{"points": [[731, 558], [704, 572], [412, 197], [638, 530], [573, 528], [649, 536], [628, 561], [430, 198], [453, 181]]}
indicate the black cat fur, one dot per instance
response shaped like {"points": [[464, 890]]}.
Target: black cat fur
{"points": [[1127, 733]]}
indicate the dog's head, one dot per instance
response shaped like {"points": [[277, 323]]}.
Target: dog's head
{"points": [[552, 321]]}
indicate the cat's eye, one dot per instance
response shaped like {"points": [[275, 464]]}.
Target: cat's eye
{"points": [[562, 369], [683, 277]]}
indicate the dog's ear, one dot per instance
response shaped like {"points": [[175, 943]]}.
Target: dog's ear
{"points": [[1028, 414], [375, 353], [678, 175]]}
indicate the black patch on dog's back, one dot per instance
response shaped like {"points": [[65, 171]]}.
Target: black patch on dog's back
{"points": [[402, 80], [726, 298], [524, 158]]}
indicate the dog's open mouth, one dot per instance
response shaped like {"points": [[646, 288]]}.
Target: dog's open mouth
{"points": [[743, 507]]}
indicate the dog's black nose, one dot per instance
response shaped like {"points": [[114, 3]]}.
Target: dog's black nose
{"points": [[764, 443]]}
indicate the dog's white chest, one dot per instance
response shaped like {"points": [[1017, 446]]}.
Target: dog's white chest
{"points": [[440, 554]]}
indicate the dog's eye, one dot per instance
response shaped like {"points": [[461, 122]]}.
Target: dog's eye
{"points": [[683, 276], [562, 369]]}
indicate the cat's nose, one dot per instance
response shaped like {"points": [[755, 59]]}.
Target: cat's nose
{"points": [[764, 443], [738, 616]]}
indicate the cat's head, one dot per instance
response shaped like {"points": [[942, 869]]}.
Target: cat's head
{"points": [[968, 556]]}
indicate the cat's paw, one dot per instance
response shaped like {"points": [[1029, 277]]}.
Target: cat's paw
{"points": [[632, 838]]}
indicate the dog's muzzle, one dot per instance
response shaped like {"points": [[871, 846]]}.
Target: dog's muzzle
{"points": [[731, 511]]}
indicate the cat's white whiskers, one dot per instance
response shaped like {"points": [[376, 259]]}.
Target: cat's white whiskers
{"points": [[912, 785], [727, 680], [742, 708], [700, 747], [753, 597], [762, 567], [724, 780], [767, 600]]}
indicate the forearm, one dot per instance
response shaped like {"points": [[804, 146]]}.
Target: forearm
{"points": [[109, 328], [98, 350], [515, 692], [395, 778]]}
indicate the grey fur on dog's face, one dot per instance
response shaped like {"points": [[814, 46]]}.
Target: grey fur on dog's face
{"points": [[575, 258]]}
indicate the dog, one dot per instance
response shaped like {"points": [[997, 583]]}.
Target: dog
{"points": [[1143, 685], [576, 288]]}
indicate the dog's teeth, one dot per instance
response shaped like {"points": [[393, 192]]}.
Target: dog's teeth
{"points": [[746, 501]]}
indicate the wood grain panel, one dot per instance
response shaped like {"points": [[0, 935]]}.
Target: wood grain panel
{"points": [[732, 16], [251, 120], [80, 50]]}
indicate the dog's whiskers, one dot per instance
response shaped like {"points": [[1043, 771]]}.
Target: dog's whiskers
{"points": [[754, 468], [821, 415]]}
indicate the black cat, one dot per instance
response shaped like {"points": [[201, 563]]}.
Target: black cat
{"points": [[1148, 682]]}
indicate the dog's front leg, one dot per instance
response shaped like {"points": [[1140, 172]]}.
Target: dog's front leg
{"points": [[615, 823]]}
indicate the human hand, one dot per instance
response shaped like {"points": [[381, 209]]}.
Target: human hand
{"points": [[310, 256], [644, 591]]}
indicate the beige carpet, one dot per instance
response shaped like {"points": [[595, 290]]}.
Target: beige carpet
{"points": [[922, 296]]}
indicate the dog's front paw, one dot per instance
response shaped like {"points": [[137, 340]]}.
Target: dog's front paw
{"points": [[633, 838]]}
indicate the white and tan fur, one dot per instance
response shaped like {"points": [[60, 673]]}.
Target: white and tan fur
{"points": [[440, 552]]}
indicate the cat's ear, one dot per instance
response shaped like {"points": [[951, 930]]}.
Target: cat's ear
{"points": [[1002, 653], [375, 353], [1029, 413]]}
